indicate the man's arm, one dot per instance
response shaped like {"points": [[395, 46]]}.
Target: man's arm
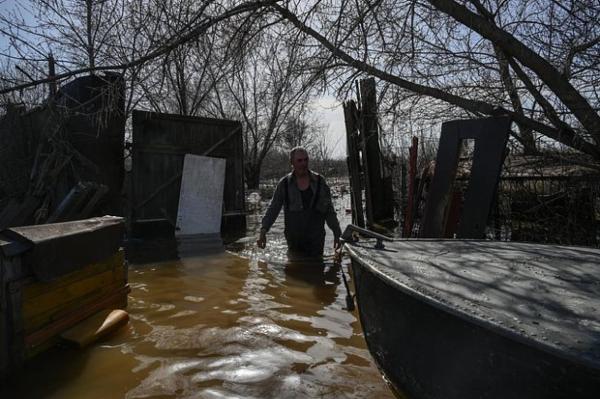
{"points": [[272, 212]]}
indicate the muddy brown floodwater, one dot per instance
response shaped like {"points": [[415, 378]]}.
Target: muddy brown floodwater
{"points": [[242, 324]]}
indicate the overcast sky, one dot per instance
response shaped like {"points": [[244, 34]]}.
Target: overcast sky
{"points": [[331, 113]]}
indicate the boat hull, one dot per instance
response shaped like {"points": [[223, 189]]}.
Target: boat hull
{"points": [[426, 351]]}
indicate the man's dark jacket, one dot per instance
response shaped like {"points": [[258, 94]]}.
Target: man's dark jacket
{"points": [[304, 228]]}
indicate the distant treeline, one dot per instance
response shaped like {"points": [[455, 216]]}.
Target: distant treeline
{"points": [[277, 163]]}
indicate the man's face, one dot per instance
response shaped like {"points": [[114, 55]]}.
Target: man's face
{"points": [[300, 161]]}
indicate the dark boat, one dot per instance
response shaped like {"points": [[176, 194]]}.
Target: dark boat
{"points": [[481, 319]]}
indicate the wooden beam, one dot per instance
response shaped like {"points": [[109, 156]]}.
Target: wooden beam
{"points": [[412, 173], [353, 161]]}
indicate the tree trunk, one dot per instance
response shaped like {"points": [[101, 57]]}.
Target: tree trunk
{"points": [[252, 172], [90, 41]]}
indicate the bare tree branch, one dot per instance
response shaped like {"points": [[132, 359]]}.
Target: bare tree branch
{"points": [[565, 137]]}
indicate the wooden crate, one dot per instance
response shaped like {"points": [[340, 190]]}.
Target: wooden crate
{"points": [[42, 311], [50, 308], [34, 311]]}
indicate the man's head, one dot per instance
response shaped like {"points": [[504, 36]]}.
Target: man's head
{"points": [[299, 160]]}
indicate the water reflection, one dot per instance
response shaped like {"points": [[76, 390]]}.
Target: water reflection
{"points": [[314, 276], [247, 324]]}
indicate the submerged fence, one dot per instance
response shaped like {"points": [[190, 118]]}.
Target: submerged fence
{"points": [[557, 209], [538, 200]]}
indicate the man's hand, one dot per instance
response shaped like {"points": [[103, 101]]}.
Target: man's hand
{"points": [[262, 239], [337, 245], [337, 250]]}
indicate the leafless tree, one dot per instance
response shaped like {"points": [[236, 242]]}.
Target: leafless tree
{"points": [[322, 150], [72, 34], [210, 14], [482, 57], [182, 79], [175, 55], [535, 60], [267, 88], [302, 129], [80, 32]]}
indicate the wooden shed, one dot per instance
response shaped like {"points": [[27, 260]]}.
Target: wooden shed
{"points": [[160, 142]]}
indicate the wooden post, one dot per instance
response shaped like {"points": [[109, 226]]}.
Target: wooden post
{"points": [[353, 161], [379, 205], [412, 173]]}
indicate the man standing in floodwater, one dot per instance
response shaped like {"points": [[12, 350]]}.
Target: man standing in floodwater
{"points": [[306, 199]]}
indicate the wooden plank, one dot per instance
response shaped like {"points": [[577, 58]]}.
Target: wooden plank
{"points": [[58, 297], [353, 160], [490, 146], [34, 321], [412, 173], [365, 165], [379, 202], [116, 299], [490, 135], [35, 289]]}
